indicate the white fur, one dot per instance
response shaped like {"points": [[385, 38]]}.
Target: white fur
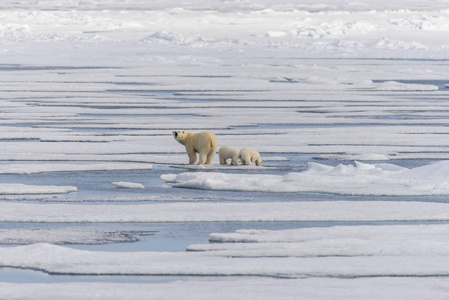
{"points": [[227, 152], [249, 156], [204, 143]]}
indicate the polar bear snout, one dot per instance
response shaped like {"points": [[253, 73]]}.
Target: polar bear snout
{"points": [[178, 134]]}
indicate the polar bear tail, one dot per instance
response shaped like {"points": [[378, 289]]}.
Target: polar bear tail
{"points": [[213, 144]]}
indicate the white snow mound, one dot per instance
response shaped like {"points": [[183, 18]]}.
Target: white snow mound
{"points": [[24, 189], [358, 179], [128, 185]]}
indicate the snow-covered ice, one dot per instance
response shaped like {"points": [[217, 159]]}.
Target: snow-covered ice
{"points": [[241, 211], [128, 185], [357, 252], [345, 101], [332, 241], [358, 179], [23, 189], [59, 167], [268, 288], [359, 256], [65, 236]]}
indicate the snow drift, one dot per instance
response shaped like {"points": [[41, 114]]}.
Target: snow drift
{"points": [[358, 179]]}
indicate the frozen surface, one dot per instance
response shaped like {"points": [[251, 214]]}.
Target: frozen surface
{"points": [[264, 288], [214, 212], [128, 185], [345, 101], [332, 241], [23, 189], [55, 167], [67, 236], [357, 252], [322, 261], [358, 179]]}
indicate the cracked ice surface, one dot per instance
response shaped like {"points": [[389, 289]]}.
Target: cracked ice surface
{"points": [[90, 92], [64, 236]]}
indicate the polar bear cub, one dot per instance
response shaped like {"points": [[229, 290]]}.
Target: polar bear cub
{"points": [[204, 143], [249, 156], [227, 152]]}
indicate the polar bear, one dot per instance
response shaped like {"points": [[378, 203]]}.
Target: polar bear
{"points": [[227, 152], [204, 143], [249, 156]]}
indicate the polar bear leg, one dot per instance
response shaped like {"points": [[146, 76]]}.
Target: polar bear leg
{"points": [[192, 156], [210, 156], [202, 158], [235, 160], [222, 160]]}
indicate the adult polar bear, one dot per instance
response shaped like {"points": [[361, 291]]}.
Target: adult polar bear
{"points": [[204, 143]]}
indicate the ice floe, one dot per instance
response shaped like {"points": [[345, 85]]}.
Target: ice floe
{"points": [[224, 211], [358, 179], [358, 251], [403, 288], [99, 86], [65, 236], [48, 258], [61, 167], [321, 263], [220, 167], [24, 189], [330, 241], [398, 86], [128, 185]]}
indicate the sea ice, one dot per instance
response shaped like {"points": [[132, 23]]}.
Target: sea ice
{"points": [[226, 212], [330, 241], [60, 167], [100, 85], [358, 179], [65, 236], [24, 189], [128, 185], [358, 251]]}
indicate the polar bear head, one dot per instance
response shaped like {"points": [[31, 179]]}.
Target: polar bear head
{"points": [[180, 136]]}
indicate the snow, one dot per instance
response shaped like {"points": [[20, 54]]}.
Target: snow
{"points": [[331, 241], [319, 262], [64, 237], [359, 179], [270, 261], [345, 100], [59, 167], [241, 211], [308, 288], [397, 86], [128, 185], [24, 189]]}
